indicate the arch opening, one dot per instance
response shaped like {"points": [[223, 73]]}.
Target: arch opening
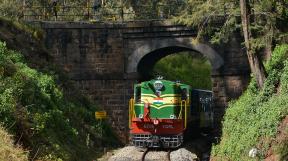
{"points": [[147, 63], [177, 63], [155, 50]]}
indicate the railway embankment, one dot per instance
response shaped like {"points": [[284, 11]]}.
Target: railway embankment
{"points": [[255, 126]]}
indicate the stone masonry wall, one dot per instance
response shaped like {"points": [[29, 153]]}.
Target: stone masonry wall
{"points": [[93, 58], [113, 96], [226, 88], [87, 53]]}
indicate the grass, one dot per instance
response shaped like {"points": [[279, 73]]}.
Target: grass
{"points": [[253, 120], [9, 151]]}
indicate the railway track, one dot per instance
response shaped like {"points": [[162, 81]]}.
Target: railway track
{"points": [[147, 150], [168, 155], [136, 153], [144, 154]]}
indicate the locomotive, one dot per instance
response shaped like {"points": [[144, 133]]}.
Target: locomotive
{"points": [[161, 112]]}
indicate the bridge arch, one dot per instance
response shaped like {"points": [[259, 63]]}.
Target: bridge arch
{"points": [[102, 60], [155, 50]]}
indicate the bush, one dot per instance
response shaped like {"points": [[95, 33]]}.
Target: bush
{"points": [[252, 120], [52, 124]]}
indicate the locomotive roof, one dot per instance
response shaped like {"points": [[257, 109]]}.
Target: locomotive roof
{"points": [[165, 81], [202, 90]]}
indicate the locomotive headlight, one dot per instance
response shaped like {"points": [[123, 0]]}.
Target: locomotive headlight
{"points": [[158, 85], [172, 117], [141, 116]]}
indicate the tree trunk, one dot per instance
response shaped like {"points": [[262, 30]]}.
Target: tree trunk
{"points": [[268, 50], [256, 65]]}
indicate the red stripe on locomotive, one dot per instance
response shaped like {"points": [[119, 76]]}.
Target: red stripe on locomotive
{"points": [[157, 126]]}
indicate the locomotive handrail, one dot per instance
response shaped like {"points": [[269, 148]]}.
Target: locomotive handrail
{"points": [[180, 113], [185, 124], [185, 112], [131, 111]]}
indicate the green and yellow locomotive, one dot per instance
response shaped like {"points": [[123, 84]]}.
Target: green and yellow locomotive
{"points": [[161, 110]]}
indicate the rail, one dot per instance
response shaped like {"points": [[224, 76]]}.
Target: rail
{"points": [[144, 154], [147, 150], [185, 120]]}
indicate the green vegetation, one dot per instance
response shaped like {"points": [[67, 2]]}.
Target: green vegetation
{"points": [[10, 8], [189, 68], [252, 120], [100, 10], [34, 31], [8, 151], [269, 20], [262, 24], [51, 123]]}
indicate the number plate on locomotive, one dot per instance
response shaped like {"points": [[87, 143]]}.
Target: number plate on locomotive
{"points": [[168, 127], [148, 126]]}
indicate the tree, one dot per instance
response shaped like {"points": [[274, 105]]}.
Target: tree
{"points": [[155, 9], [255, 63], [262, 25], [74, 10], [10, 8]]}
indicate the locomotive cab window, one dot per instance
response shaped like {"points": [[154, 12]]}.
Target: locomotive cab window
{"points": [[184, 94]]}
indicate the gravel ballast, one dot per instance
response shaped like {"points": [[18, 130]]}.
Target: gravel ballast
{"points": [[182, 154], [128, 153], [131, 153]]}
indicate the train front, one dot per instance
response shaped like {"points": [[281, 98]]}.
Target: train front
{"points": [[158, 113]]}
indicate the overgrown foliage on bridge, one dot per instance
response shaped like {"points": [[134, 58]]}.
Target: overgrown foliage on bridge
{"points": [[94, 10]]}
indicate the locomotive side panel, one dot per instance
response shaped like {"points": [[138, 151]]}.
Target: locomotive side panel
{"points": [[202, 108]]}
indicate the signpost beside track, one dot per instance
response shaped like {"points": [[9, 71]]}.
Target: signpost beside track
{"points": [[100, 115]]}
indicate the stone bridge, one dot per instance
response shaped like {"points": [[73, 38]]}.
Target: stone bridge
{"points": [[105, 60]]}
